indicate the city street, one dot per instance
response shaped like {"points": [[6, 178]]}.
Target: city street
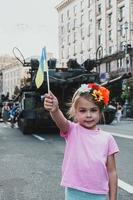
{"points": [[82, 53], [30, 165], [123, 133]]}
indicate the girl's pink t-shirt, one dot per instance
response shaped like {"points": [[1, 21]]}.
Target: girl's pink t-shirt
{"points": [[85, 157]]}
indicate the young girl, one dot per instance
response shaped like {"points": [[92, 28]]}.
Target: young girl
{"points": [[88, 170]]}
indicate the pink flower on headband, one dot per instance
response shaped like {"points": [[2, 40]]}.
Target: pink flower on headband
{"points": [[100, 93]]}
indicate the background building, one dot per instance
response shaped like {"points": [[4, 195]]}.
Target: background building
{"points": [[97, 29], [13, 74]]}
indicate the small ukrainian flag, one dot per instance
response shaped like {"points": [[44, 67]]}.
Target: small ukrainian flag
{"points": [[42, 67]]}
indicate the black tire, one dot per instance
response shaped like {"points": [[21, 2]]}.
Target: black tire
{"points": [[27, 126], [109, 117]]}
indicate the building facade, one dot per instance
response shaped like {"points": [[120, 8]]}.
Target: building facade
{"points": [[96, 29], [11, 78], [12, 73]]}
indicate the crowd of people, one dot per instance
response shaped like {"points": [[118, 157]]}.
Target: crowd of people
{"points": [[9, 113]]}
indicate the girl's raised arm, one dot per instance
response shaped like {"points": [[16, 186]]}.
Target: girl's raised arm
{"points": [[51, 104]]}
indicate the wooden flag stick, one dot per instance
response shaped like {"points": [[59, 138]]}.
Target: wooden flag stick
{"points": [[47, 70], [48, 84]]}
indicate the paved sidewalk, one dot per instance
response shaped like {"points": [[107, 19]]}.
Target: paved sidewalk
{"points": [[126, 119], [125, 126]]}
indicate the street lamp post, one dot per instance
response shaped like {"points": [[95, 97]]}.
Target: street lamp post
{"points": [[99, 55], [126, 45], [1, 83], [127, 98], [126, 28]]}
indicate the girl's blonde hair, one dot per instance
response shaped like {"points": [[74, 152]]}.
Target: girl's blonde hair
{"points": [[93, 93], [75, 100]]}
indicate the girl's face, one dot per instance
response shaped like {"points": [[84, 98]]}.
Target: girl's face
{"points": [[87, 114]]}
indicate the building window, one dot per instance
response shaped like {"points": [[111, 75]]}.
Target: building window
{"points": [[68, 39], [121, 13], [109, 19], [110, 50], [81, 47], [74, 37], [82, 33], [75, 10], [62, 41], [62, 54], [68, 52], [62, 18], [118, 66], [88, 45], [74, 50], [122, 30], [89, 30], [99, 39], [68, 27], [99, 24], [109, 3], [89, 3], [62, 30], [91, 44], [74, 24], [82, 58], [99, 8], [63, 64], [122, 46], [68, 14], [82, 5], [110, 35], [108, 67], [90, 15], [100, 53], [82, 20]]}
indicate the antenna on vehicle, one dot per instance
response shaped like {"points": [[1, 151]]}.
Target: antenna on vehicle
{"points": [[20, 57]]}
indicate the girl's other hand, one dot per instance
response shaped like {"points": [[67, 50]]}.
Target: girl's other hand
{"points": [[51, 102]]}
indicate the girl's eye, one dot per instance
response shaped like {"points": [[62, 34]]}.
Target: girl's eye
{"points": [[94, 110], [86, 110], [82, 110]]}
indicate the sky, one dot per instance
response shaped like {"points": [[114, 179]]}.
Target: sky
{"points": [[28, 25]]}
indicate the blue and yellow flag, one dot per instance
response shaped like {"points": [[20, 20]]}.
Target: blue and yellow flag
{"points": [[42, 67]]}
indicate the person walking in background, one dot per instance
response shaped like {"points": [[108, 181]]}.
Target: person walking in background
{"points": [[88, 169], [5, 112], [118, 112], [13, 114]]}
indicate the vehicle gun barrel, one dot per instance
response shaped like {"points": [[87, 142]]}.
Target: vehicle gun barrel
{"points": [[122, 77]]}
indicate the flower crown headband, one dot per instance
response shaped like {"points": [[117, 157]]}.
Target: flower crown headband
{"points": [[99, 93]]}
